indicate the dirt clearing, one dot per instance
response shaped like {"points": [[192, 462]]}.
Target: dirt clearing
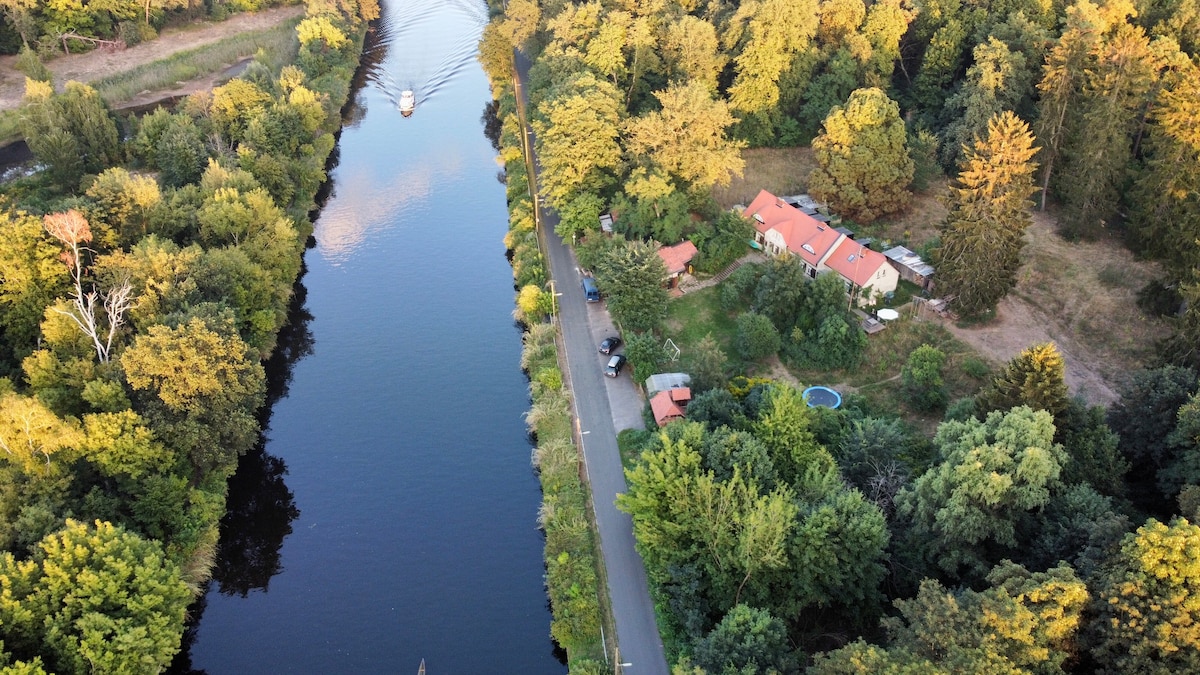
{"points": [[98, 64]]}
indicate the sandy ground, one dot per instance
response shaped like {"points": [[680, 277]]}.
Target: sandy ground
{"points": [[1083, 297], [97, 64]]}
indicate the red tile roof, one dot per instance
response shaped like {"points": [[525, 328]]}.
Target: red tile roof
{"points": [[804, 235], [677, 257], [855, 262], [665, 409]]}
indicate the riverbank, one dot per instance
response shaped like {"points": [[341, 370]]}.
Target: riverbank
{"points": [[164, 493], [183, 60], [573, 572]]}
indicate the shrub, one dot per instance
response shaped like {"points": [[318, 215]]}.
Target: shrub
{"points": [[32, 66], [922, 377], [757, 337]]}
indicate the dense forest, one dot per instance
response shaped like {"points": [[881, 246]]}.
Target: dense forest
{"points": [[1031, 531], [145, 273]]}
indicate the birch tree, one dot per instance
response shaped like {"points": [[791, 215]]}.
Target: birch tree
{"points": [[99, 314]]}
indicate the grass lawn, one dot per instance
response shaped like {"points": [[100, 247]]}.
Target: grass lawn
{"points": [[695, 315], [783, 171], [878, 378]]}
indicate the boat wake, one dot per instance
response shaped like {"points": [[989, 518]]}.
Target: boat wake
{"points": [[425, 47]]}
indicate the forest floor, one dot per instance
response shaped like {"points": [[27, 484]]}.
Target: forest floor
{"points": [[98, 64], [1080, 295]]}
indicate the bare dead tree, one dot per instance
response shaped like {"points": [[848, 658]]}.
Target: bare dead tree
{"points": [[71, 228], [888, 477]]}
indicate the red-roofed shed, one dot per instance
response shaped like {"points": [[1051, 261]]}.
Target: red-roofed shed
{"points": [[670, 405], [676, 259]]}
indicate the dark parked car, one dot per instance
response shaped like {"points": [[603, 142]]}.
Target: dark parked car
{"points": [[610, 345], [614, 365]]}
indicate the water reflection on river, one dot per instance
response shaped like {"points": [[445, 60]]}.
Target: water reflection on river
{"points": [[390, 516]]}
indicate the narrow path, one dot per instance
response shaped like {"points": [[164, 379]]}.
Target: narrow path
{"points": [[641, 649], [94, 65]]}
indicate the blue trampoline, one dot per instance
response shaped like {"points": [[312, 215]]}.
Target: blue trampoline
{"points": [[822, 396]]}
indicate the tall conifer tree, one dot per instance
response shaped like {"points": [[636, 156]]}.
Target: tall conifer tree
{"points": [[988, 213]]}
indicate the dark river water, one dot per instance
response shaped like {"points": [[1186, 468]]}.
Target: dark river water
{"points": [[390, 515]]}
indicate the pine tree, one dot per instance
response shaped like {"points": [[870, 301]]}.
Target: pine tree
{"points": [[993, 85], [1035, 378], [1061, 83], [1097, 156], [1166, 213], [988, 213]]}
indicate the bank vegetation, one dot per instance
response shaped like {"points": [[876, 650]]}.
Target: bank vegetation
{"points": [[145, 273]]}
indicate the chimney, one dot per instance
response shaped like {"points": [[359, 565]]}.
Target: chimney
{"points": [[779, 202]]}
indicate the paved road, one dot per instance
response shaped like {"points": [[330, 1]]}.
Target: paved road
{"points": [[604, 406]]}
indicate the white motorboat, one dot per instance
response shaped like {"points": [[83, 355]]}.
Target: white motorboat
{"points": [[408, 102]]}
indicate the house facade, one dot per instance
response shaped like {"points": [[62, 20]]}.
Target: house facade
{"points": [[781, 228]]}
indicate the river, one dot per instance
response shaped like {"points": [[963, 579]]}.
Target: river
{"points": [[390, 514]]}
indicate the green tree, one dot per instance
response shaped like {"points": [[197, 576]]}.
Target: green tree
{"points": [[834, 524], [941, 65], [692, 52], [1148, 602], [22, 16], [123, 203], [994, 83], [863, 169], [783, 426], [747, 640], [1145, 418], [827, 334], [120, 444], [1080, 526], [1165, 215], [31, 434], [234, 105], [521, 19], [1062, 82], [727, 527], [867, 448], [200, 385], [687, 137], [645, 354], [1036, 378], [757, 337], [1094, 449], [988, 206], [922, 378], [72, 132], [31, 277], [716, 408], [770, 34], [577, 127], [94, 598], [779, 290], [631, 278], [970, 506], [1024, 622], [1117, 89], [706, 364]]}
